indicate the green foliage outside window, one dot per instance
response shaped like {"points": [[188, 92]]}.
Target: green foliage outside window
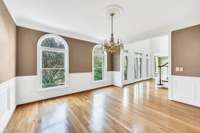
{"points": [[53, 63], [98, 68], [52, 78], [53, 69], [52, 59], [52, 43], [98, 75]]}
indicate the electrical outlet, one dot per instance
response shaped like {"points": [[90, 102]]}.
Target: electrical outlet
{"points": [[181, 69]]}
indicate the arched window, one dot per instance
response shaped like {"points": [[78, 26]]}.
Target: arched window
{"points": [[53, 62], [99, 60]]}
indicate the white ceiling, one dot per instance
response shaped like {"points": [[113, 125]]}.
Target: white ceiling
{"points": [[85, 19]]}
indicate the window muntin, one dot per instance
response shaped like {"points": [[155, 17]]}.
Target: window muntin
{"points": [[52, 61], [99, 63]]}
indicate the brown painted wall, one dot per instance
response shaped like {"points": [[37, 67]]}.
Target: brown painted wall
{"points": [[7, 44], [186, 51], [116, 61], [80, 53]]}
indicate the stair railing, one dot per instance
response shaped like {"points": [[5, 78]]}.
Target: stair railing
{"points": [[160, 72]]}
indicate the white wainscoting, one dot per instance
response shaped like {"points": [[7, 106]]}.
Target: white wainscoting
{"points": [[7, 102], [185, 89], [29, 90], [117, 78]]}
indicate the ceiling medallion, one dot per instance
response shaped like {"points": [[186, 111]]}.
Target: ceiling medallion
{"points": [[112, 45]]}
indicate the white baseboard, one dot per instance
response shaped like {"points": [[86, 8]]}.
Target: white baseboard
{"points": [[7, 102]]}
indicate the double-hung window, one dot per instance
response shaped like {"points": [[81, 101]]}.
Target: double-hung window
{"points": [[53, 61]]}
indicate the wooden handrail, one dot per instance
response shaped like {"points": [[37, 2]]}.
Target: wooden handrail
{"points": [[163, 65]]}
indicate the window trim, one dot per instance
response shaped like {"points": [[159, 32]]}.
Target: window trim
{"points": [[39, 60], [104, 66]]}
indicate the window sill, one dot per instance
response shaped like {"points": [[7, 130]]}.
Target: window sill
{"points": [[98, 81]]}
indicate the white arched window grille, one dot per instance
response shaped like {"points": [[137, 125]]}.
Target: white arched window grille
{"points": [[53, 61], [99, 63]]}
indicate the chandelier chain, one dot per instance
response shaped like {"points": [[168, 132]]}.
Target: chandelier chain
{"points": [[112, 33]]}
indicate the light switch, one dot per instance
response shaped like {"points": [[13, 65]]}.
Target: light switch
{"points": [[177, 69], [181, 69]]}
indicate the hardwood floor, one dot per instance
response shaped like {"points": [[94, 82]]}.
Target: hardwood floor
{"points": [[138, 108]]}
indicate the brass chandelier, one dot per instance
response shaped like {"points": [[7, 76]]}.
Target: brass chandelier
{"points": [[112, 46]]}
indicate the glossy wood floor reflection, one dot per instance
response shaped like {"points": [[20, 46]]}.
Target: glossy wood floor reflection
{"points": [[138, 108]]}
